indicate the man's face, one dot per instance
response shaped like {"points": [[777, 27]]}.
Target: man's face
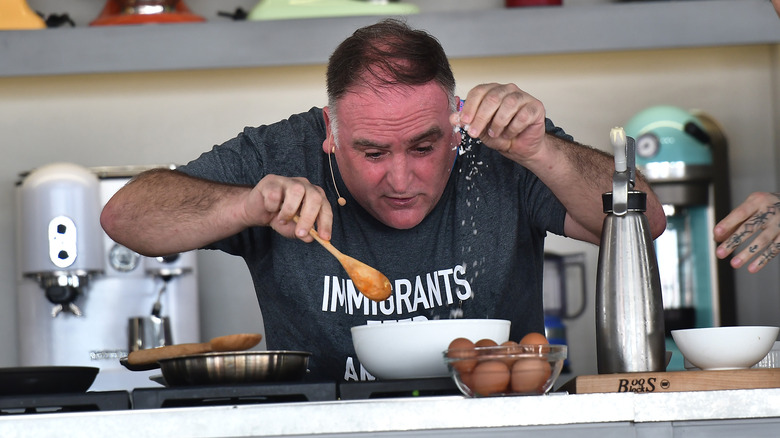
{"points": [[396, 149]]}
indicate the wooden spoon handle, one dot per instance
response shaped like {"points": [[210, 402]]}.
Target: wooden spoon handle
{"points": [[325, 243]]}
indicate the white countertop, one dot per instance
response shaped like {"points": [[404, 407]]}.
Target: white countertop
{"points": [[429, 416]]}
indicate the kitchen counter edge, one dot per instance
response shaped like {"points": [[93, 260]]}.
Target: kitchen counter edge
{"points": [[429, 415]]}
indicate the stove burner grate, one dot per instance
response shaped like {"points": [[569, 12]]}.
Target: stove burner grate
{"points": [[66, 402], [188, 396], [397, 388]]}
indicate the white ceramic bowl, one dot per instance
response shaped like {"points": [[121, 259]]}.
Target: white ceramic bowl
{"points": [[725, 348], [414, 349]]}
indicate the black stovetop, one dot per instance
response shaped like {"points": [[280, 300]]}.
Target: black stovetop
{"points": [[183, 396], [64, 402], [188, 396], [397, 388]]}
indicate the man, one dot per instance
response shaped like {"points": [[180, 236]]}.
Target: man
{"points": [[456, 224]]}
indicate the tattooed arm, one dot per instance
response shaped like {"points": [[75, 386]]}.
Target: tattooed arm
{"points": [[758, 216]]}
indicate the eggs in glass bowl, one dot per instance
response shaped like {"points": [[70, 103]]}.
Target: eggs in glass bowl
{"points": [[485, 368]]}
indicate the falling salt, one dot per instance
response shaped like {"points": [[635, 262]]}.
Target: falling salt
{"points": [[456, 313], [472, 169]]}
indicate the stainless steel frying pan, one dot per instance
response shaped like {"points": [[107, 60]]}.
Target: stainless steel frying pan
{"points": [[235, 367]]}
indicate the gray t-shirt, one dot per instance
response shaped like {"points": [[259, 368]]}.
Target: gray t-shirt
{"points": [[479, 254]]}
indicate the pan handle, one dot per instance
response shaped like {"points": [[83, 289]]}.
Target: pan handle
{"points": [[138, 367]]}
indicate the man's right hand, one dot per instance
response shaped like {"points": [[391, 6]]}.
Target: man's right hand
{"points": [[275, 200]]}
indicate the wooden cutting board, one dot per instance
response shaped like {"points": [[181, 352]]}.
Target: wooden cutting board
{"points": [[675, 381]]}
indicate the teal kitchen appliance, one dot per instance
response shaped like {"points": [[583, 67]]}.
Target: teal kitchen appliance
{"points": [[684, 156]]}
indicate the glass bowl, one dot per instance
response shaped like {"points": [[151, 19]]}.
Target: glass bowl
{"points": [[519, 369]]}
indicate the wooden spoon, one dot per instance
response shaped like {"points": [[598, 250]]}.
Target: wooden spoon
{"points": [[369, 281], [237, 342]]}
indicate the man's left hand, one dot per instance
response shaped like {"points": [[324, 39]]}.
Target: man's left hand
{"points": [[504, 118]]}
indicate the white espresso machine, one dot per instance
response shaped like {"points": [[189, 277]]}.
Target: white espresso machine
{"points": [[83, 299]]}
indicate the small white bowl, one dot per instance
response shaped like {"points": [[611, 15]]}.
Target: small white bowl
{"points": [[725, 348], [413, 349]]}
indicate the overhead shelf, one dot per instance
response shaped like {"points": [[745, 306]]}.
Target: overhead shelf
{"points": [[481, 33]]}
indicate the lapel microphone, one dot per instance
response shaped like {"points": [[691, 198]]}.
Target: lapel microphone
{"points": [[342, 202]]}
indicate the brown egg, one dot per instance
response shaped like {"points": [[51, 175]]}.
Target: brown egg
{"points": [[529, 375], [462, 348], [461, 344], [510, 345], [482, 343], [510, 348], [468, 380], [490, 377], [486, 343], [534, 338]]}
